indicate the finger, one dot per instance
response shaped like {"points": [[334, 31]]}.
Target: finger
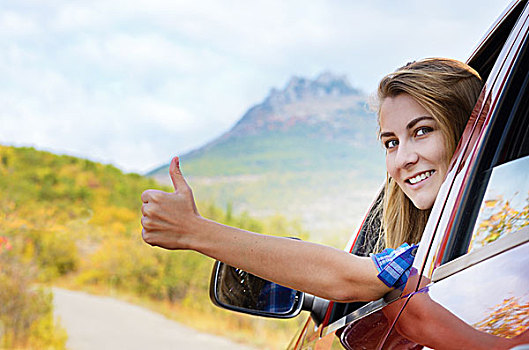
{"points": [[148, 237], [146, 196], [176, 174], [149, 196], [144, 235]]}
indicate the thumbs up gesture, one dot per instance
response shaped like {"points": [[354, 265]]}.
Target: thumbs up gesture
{"points": [[168, 217]]}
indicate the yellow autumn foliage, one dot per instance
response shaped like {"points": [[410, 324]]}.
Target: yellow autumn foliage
{"points": [[26, 312], [70, 220]]}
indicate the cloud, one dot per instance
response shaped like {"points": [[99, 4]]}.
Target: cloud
{"points": [[15, 24], [134, 82], [138, 53]]}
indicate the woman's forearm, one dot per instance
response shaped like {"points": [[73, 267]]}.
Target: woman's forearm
{"points": [[320, 270]]}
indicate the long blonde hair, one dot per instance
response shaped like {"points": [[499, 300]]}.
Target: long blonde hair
{"points": [[448, 90]]}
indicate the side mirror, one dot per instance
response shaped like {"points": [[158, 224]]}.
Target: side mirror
{"points": [[238, 290]]}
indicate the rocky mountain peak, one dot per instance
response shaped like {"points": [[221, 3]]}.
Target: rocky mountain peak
{"points": [[299, 89], [327, 106]]}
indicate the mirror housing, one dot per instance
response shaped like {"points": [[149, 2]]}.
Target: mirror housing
{"points": [[316, 306], [240, 291]]}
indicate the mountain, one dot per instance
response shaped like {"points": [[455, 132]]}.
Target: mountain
{"points": [[308, 150]]}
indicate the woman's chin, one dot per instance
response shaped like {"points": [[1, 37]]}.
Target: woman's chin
{"points": [[423, 203]]}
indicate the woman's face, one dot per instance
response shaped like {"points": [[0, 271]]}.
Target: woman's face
{"points": [[415, 149]]}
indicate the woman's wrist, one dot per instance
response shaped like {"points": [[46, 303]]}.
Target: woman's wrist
{"points": [[195, 233]]}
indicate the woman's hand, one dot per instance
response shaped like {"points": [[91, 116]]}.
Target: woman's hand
{"points": [[168, 218]]}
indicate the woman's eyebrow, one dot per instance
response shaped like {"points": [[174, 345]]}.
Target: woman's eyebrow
{"points": [[412, 123], [387, 134]]}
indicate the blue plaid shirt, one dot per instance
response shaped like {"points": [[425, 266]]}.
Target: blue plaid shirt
{"points": [[394, 265]]}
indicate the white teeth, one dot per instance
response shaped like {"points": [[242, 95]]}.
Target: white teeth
{"points": [[420, 177]]}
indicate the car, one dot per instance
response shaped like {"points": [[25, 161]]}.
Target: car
{"points": [[473, 258]]}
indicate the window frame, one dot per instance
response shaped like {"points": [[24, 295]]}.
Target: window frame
{"points": [[494, 151], [486, 252]]}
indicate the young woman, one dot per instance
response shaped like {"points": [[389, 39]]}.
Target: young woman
{"points": [[423, 108]]}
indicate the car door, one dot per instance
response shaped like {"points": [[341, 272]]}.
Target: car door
{"points": [[476, 269]]}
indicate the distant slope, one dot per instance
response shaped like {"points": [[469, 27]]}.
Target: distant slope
{"points": [[307, 151]]}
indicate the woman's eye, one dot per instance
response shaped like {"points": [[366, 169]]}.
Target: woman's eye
{"points": [[391, 144], [423, 131]]}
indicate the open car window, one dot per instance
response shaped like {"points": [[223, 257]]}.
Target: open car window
{"points": [[366, 242]]}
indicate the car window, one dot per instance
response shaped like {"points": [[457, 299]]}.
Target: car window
{"points": [[505, 206]]}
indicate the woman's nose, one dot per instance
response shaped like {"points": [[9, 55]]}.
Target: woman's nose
{"points": [[406, 155]]}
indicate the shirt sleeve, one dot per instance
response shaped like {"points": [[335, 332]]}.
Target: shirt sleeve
{"points": [[394, 265]]}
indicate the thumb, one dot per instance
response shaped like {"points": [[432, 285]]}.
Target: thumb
{"points": [[176, 174]]}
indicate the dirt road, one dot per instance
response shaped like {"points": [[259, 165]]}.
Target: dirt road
{"points": [[95, 322]]}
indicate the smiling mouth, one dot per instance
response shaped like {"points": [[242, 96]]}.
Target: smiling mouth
{"points": [[421, 177]]}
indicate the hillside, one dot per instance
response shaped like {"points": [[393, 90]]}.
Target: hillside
{"points": [[76, 223], [308, 151]]}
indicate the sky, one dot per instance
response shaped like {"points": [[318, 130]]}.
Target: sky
{"points": [[133, 82]]}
